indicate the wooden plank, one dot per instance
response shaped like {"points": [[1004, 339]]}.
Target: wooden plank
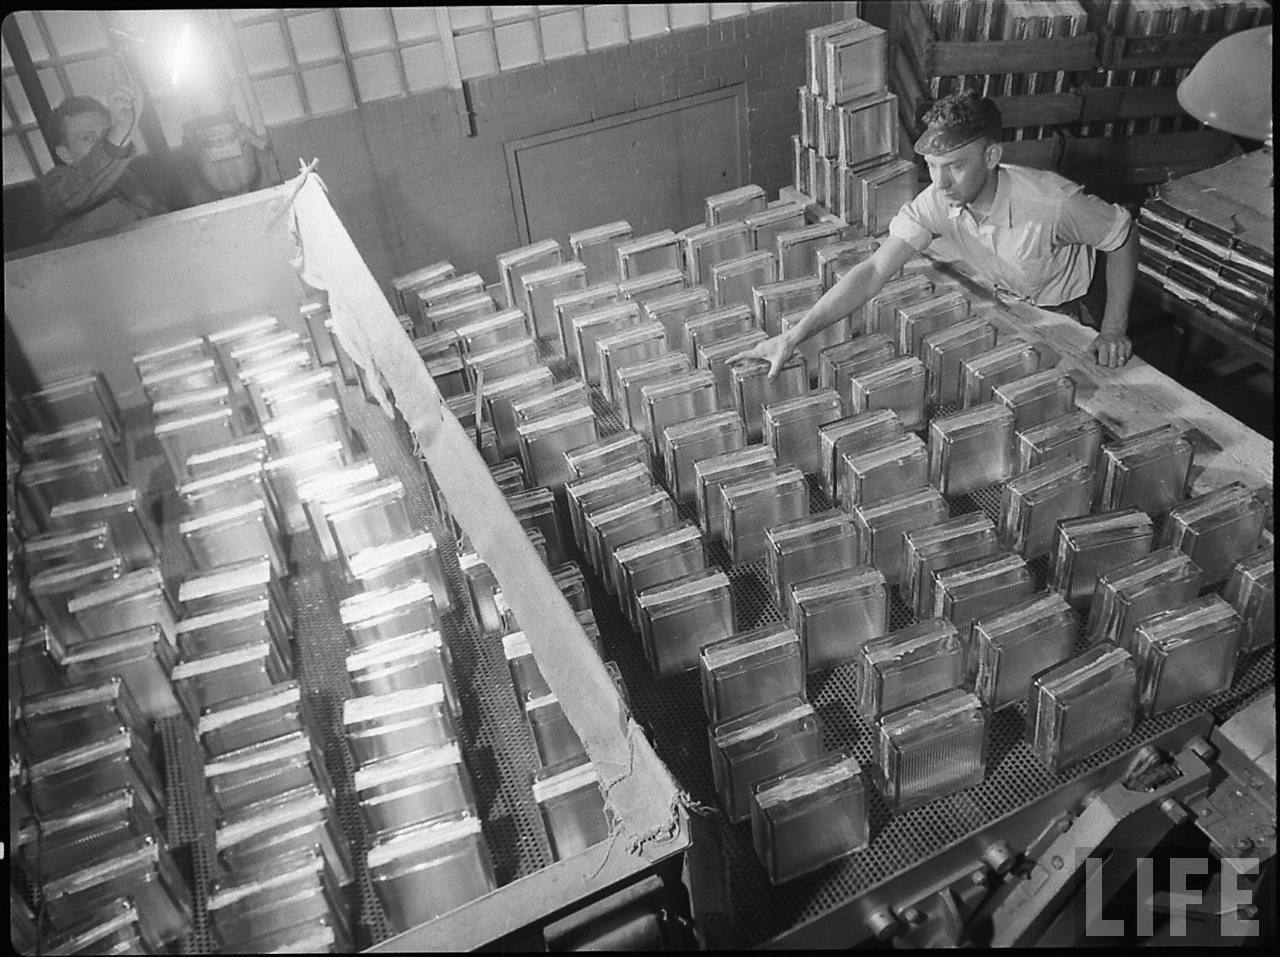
{"points": [[1149, 158], [1028, 109], [1120, 52], [1133, 398], [1105, 103], [1042, 154]]}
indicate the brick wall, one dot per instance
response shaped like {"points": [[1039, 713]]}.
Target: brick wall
{"points": [[413, 188]]}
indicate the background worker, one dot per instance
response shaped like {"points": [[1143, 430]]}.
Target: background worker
{"points": [[1033, 234], [93, 190]]}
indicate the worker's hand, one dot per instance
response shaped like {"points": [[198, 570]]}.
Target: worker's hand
{"points": [[122, 107], [775, 349], [1111, 349]]}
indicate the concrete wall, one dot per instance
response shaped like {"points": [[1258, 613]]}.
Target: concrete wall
{"points": [[412, 187]]}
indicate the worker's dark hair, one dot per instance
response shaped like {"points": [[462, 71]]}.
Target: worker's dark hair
{"points": [[75, 106], [966, 112]]}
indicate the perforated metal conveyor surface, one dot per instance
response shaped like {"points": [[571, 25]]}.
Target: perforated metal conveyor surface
{"points": [[671, 712], [496, 743]]}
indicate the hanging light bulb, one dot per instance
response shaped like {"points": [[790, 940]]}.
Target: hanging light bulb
{"points": [[1230, 87]]}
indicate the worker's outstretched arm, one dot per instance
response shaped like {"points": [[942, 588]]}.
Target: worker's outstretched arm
{"points": [[1112, 347], [850, 293]]}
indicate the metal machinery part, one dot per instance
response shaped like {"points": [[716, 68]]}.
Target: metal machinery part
{"points": [[1014, 883]]}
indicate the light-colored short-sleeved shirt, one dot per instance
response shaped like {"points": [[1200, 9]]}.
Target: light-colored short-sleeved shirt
{"points": [[1037, 241]]}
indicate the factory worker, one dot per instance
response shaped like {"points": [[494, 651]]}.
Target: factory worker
{"points": [[1033, 234], [93, 190]]}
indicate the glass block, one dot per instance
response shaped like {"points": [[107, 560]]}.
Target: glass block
{"points": [[371, 616], [885, 189], [881, 527], [1037, 398], [526, 677], [1185, 653], [206, 680], [693, 440], [251, 719], [261, 908], [797, 248], [600, 323], [773, 300], [807, 547], [868, 129], [1251, 591], [597, 249], [504, 360], [493, 329], [1031, 504], [676, 399], [567, 305], [303, 430], [715, 325], [752, 390], [232, 534], [734, 204], [244, 581], [434, 295], [263, 770], [571, 803], [535, 509], [72, 400], [930, 749], [676, 308], [1077, 434], [878, 315], [624, 349], [587, 495], [1217, 529], [808, 816], [652, 252], [908, 665], [514, 265], [653, 285], [498, 399], [898, 385], [717, 356], [981, 373], [842, 256], [385, 725], [140, 867], [64, 717], [91, 435], [733, 281], [944, 350], [141, 657], [712, 473], [679, 619], [664, 556], [1093, 545], [756, 502], [202, 373], [810, 349], [765, 225], [790, 427], [854, 62], [133, 600], [705, 246], [541, 286], [882, 471], [1011, 647], [918, 318], [43, 484], [759, 745], [457, 313], [623, 522], [849, 436], [980, 588], [630, 379], [1081, 706], [430, 869], [603, 455], [111, 757], [970, 450], [929, 551], [835, 614], [544, 442], [412, 660], [1126, 595], [751, 670], [554, 737]]}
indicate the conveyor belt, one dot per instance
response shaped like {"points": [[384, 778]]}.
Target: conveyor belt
{"points": [[497, 746], [671, 712]]}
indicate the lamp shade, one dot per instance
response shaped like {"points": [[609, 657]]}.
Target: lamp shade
{"points": [[1230, 87]]}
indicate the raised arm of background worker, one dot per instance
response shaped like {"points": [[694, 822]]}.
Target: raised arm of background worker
{"points": [[73, 187], [858, 285]]}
